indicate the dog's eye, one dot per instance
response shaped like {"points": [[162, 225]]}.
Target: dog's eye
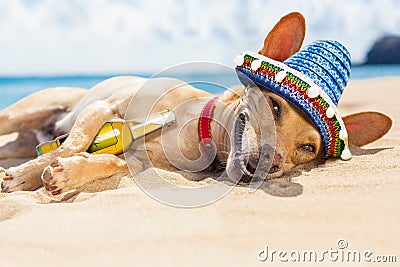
{"points": [[309, 148], [276, 108]]}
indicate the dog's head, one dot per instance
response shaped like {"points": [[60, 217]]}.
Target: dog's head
{"points": [[298, 143]]}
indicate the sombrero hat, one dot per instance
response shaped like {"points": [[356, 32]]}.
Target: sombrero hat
{"points": [[313, 80]]}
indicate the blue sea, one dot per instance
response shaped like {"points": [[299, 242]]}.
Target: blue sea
{"points": [[14, 88]]}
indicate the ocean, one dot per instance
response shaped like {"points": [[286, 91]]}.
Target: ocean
{"points": [[13, 89]]}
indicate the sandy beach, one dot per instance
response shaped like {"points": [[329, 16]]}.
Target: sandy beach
{"points": [[114, 223]]}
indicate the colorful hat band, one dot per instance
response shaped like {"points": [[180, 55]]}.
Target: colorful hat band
{"points": [[300, 90]]}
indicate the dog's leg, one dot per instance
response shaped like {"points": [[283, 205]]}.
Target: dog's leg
{"points": [[38, 109], [69, 173], [87, 125], [22, 147], [24, 122]]}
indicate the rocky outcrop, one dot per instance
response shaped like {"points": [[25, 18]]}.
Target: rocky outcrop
{"points": [[385, 51]]}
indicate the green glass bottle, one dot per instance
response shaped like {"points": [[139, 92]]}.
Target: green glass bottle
{"points": [[117, 135]]}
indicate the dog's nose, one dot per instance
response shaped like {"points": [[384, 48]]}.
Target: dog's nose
{"points": [[269, 153], [270, 160], [277, 159]]}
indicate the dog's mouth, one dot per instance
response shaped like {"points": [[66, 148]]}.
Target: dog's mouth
{"points": [[241, 157], [247, 163]]}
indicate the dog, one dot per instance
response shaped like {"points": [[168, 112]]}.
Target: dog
{"points": [[44, 115]]}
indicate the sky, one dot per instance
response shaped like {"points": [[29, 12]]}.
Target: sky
{"points": [[52, 37]]}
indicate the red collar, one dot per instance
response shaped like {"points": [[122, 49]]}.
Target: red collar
{"points": [[205, 123]]}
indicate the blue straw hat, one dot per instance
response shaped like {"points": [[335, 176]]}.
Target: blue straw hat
{"points": [[313, 80]]}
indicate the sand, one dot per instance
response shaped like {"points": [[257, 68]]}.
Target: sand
{"points": [[114, 223]]}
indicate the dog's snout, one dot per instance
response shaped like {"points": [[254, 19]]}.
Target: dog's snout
{"points": [[269, 153], [271, 158], [276, 163], [277, 159]]}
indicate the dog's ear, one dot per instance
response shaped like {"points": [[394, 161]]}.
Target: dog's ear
{"points": [[365, 127], [285, 38]]}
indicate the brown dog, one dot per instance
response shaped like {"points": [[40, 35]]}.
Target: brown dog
{"points": [[44, 115]]}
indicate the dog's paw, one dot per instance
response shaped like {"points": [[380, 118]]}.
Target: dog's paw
{"points": [[4, 177], [13, 180], [64, 174], [53, 184]]}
